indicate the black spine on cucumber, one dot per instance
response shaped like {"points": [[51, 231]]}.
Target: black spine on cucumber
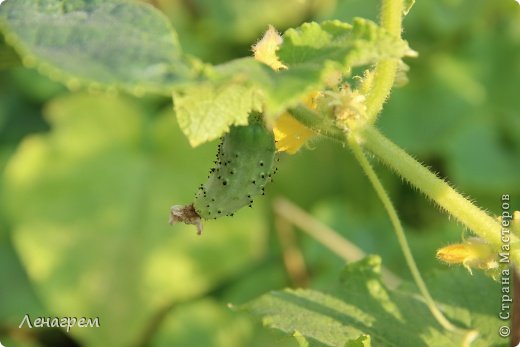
{"points": [[244, 165]]}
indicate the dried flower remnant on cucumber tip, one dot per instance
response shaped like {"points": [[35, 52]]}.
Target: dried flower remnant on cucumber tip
{"points": [[187, 215]]}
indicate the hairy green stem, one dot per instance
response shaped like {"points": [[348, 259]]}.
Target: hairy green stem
{"points": [[385, 70], [399, 232], [415, 173], [432, 186], [384, 76], [391, 16]]}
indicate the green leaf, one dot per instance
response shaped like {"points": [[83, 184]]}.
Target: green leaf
{"points": [[100, 44], [89, 203], [349, 45], [207, 110], [8, 57], [199, 323], [314, 53], [302, 341], [362, 341], [362, 305], [17, 295]]}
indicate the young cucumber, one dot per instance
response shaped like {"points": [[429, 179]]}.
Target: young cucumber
{"points": [[244, 165]]}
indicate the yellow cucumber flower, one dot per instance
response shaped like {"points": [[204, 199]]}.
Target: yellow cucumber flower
{"points": [[289, 134], [473, 253]]}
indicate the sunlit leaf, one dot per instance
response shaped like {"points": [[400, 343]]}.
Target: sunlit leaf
{"points": [[90, 203], [363, 305], [206, 111]]}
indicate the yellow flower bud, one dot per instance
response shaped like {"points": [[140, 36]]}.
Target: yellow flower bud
{"points": [[473, 253]]}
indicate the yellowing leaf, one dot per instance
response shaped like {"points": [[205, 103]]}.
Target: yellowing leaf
{"points": [[265, 49], [206, 111]]}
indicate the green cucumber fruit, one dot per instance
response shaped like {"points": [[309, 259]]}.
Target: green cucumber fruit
{"points": [[244, 165]]}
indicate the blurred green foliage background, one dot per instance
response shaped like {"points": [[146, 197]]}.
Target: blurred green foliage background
{"points": [[87, 180]]}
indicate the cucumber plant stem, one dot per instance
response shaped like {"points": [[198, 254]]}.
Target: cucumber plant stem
{"points": [[384, 76], [391, 16], [399, 232], [432, 186], [414, 172], [384, 73]]}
